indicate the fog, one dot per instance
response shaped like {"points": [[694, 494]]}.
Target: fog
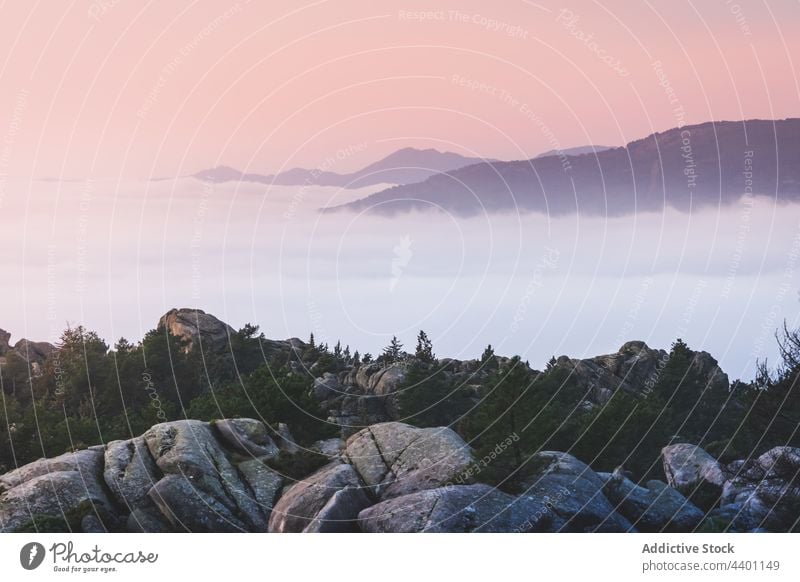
{"points": [[115, 256]]}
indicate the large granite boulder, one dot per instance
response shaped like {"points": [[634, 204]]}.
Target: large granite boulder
{"points": [[201, 489], [395, 459], [656, 507], [766, 491], [302, 502], [693, 472], [247, 437], [340, 512], [56, 495], [574, 493], [130, 471], [196, 327], [33, 352], [458, 508]]}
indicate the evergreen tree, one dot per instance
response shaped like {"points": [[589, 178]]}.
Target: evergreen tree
{"points": [[424, 351], [426, 398], [393, 351], [488, 360]]}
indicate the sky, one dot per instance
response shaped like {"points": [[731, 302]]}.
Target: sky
{"points": [[121, 89], [99, 96]]}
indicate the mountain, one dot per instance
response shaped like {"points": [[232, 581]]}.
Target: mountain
{"points": [[405, 166], [221, 430], [706, 164], [576, 151]]}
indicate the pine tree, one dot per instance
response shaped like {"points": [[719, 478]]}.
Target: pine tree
{"points": [[426, 399], [424, 350], [488, 360], [393, 351]]}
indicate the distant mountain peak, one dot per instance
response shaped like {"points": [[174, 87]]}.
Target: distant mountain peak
{"points": [[684, 168], [407, 165]]}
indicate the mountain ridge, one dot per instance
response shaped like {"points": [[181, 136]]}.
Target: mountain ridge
{"points": [[681, 167], [404, 166]]}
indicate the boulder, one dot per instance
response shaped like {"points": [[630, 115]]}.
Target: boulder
{"points": [[201, 489], [147, 519], [733, 517], [767, 490], [196, 327], [457, 508], [130, 471], [300, 504], [693, 472], [56, 495], [655, 507], [341, 511], [286, 442], [247, 437], [187, 507], [574, 493], [33, 352], [264, 482], [331, 448], [395, 459], [379, 380], [634, 367], [327, 386]]}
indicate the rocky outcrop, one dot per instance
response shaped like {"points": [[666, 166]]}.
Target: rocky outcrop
{"points": [[458, 508], [752, 495], [693, 472], [179, 476], [247, 437], [33, 352], [201, 489], [635, 369], [196, 327], [305, 500], [366, 394], [57, 495], [130, 472], [391, 477], [656, 507], [574, 493], [765, 492], [5, 337], [395, 459]]}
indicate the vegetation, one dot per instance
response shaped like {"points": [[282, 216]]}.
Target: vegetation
{"points": [[87, 393]]}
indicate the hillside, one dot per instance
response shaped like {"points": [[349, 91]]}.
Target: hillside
{"points": [[200, 427], [700, 165], [405, 166]]}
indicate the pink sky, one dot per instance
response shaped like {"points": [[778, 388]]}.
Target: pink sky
{"points": [[119, 88]]}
